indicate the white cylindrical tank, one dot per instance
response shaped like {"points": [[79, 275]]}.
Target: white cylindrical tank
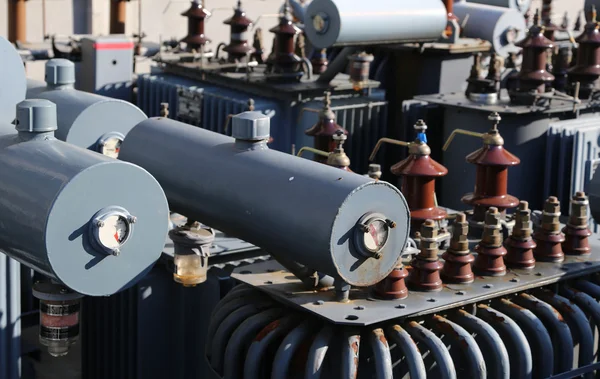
{"points": [[501, 26], [358, 22]]}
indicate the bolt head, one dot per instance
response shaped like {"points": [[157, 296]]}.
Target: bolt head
{"points": [[116, 252], [99, 223], [251, 126], [132, 219]]}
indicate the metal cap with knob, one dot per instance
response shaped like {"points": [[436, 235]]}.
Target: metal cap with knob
{"points": [[251, 126], [60, 72], [36, 116]]}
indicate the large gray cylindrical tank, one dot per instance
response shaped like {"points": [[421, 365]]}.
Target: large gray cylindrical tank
{"points": [[359, 22], [13, 82], [292, 207], [94, 223], [86, 120], [501, 26], [520, 5]]}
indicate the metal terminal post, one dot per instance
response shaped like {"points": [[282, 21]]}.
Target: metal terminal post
{"points": [[374, 171], [458, 258], [549, 237], [164, 109], [490, 252], [577, 230], [425, 274], [520, 244]]}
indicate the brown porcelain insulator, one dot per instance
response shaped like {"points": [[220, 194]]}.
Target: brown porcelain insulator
{"points": [[360, 65], [520, 244], [587, 67], [491, 180], [533, 75], [283, 60], [325, 128], [319, 61], [196, 15], [338, 158], [458, 258], [490, 252], [118, 15], [393, 286], [549, 27], [577, 231], [238, 46], [425, 273], [549, 238], [418, 172]]}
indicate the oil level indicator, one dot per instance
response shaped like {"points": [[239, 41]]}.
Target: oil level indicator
{"points": [[111, 228]]}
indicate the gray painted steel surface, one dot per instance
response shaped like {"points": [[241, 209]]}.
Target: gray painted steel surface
{"points": [[520, 5], [83, 118], [50, 192], [13, 82], [254, 193], [501, 26], [351, 22], [10, 318]]}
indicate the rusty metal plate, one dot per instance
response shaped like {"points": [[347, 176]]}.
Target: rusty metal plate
{"points": [[458, 99], [273, 279]]}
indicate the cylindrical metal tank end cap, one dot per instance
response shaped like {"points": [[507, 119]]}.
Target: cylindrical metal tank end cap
{"points": [[251, 126], [36, 116], [60, 72]]}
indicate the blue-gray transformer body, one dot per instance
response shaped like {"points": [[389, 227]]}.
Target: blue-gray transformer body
{"points": [[287, 205]]}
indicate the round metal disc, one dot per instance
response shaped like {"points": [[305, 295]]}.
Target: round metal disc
{"points": [[352, 265], [68, 239], [13, 82]]}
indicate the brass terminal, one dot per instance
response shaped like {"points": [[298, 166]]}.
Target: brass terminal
{"points": [[460, 131], [312, 150], [390, 141]]}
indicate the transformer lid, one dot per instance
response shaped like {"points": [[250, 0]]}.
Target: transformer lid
{"points": [[196, 11], [239, 18]]}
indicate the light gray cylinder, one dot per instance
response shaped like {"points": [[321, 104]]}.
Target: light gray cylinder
{"points": [[520, 5], [359, 22], [293, 207], [501, 26], [60, 205], [86, 120], [13, 82]]}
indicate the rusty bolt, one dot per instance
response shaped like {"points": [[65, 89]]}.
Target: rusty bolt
{"points": [[460, 230], [550, 215], [491, 230], [579, 210], [391, 224], [523, 226], [429, 246]]}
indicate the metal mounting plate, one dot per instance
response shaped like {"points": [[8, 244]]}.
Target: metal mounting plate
{"points": [[458, 99], [362, 309]]}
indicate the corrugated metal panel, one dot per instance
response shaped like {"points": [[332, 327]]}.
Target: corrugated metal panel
{"points": [[10, 320], [572, 155]]}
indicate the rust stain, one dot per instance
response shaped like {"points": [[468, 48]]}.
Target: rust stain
{"points": [[354, 347], [266, 330]]}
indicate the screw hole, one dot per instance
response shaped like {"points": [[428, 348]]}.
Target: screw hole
{"points": [[245, 272], [114, 62], [359, 308], [488, 286], [352, 317], [268, 282], [460, 292], [318, 302], [401, 306], [270, 270], [538, 274], [515, 280], [431, 300]]}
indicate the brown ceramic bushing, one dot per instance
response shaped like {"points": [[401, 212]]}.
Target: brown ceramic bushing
{"points": [[457, 268], [425, 275], [549, 247], [576, 241], [490, 261], [519, 253], [393, 286]]}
